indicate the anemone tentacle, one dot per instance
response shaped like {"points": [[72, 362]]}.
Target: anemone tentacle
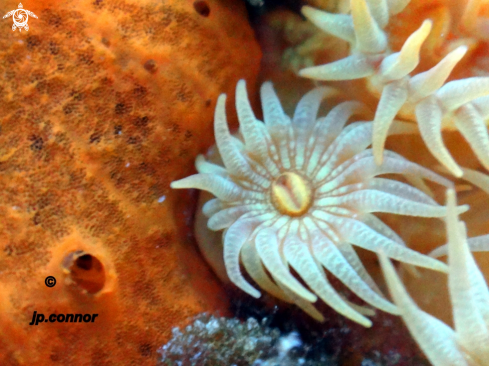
{"points": [[468, 343]]}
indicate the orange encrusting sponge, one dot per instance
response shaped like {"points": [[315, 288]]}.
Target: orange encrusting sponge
{"points": [[102, 105]]}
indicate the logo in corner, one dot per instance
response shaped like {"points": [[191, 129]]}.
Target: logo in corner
{"points": [[20, 17]]}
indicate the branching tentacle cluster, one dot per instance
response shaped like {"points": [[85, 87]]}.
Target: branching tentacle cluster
{"points": [[468, 344], [423, 97]]}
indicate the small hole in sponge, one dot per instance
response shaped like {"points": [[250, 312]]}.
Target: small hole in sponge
{"points": [[150, 66], [86, 271], [202, 8], [86, 262]]}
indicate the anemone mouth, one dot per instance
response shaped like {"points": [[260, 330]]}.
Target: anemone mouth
{"points": [[291, 194]]}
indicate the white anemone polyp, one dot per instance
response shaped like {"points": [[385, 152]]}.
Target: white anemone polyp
{"points": [[300, 192]]}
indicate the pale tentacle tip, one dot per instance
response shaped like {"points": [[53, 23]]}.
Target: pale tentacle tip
{"points": [[460, 209], [439, 252], [366, 323], [308, 72], [176, 184], [441, 267], [453, 169], [256, 294], [246, 287], [307, 10]]}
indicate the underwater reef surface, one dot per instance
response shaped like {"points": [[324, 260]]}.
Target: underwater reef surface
{"points": [[102, 105], [211, 341], [218, 341], [283, 336]]}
